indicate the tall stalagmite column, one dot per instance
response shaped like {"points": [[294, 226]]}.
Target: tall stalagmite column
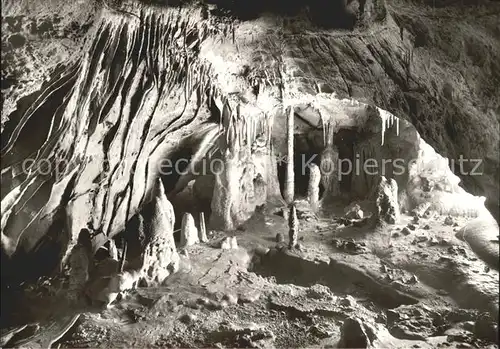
{"points": [[313, 188], [293, 226], [289, 183], [245, 172]]}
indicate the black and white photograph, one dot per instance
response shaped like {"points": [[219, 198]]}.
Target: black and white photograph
{"points": [[250, 174]]}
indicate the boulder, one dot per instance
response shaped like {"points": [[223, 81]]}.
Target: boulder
{"points": [[354, 211], [355, 334]]}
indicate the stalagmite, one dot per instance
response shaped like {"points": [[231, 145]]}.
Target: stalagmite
{"points": [[80, 261], [313, 188], [189, 233], [290, 184], [234, 243], [113, 251], [293, 226], [386, 200], [247, 176], [123, 258], [279, 237], [203, 229], [160, 258]]}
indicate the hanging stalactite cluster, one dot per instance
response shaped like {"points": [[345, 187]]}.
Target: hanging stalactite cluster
{"points": [[388, 120], [242, 130]]}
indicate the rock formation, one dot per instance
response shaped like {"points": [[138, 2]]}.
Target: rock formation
{"points": [[189, 232], [386, 201], [160, 258], [113, 251], [244, 178], [290, 174], [313, 187], [355, 334], [293, 226], [330, 163], [481, 234], [203, 229], [354, 211], [229, 243], [80, 264], [113, 109], [111, 105]]}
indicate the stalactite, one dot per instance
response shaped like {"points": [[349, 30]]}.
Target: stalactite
{"points": [[388, 120]]}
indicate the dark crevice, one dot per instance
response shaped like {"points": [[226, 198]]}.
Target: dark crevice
{"points": [[95, 52], [305, 152], [30, 102], [344, 140], [28, 141], [215, 114], [331, 14], [43, 111]]}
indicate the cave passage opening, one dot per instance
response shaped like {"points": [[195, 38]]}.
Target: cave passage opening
{"points": [[182, 201], [306, 152], [345, 140], [308, 148]]}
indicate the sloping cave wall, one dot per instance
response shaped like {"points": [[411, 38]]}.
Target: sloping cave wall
{"points": [[121, 109]]}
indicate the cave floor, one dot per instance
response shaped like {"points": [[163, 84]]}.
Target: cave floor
{"points": [[422, 289]]}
